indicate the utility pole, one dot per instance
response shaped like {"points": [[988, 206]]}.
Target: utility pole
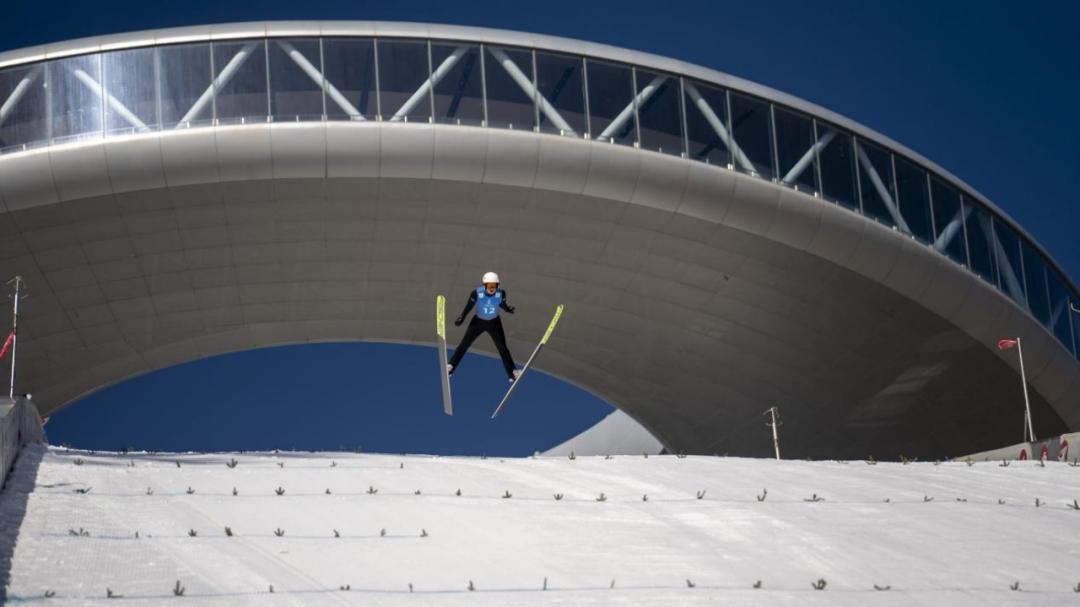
{"points": [[774, 413], [1023, 379], [1005, 344], [14, 329]]}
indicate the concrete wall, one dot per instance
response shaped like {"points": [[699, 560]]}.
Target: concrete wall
{"points": [[19, 425], [696, 296]]}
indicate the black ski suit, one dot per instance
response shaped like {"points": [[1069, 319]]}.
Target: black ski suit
{"points": [[492, 327]]}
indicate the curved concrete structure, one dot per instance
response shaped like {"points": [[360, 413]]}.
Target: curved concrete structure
{"points": [[161, 220]]}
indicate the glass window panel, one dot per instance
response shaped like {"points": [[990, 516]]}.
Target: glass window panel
{"points": [[131, 89], [1075, 319], [349, 67], [508, 105], [240, 68], [980, 247], [659, 117], [185, 75], [295, 79], [1010, 273], [706, 109], [948, 221], [75, 94], [837, 160], [560, 81], [403, 69], [1035, 283], [795, 150], [459, 93], [752, 131], [22, 92], [1059, 309], [914, 194], [611, 102], [876, 182]]}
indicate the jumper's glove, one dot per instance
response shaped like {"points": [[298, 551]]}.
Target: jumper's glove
{"points": [[458, 321], [510, 308]]}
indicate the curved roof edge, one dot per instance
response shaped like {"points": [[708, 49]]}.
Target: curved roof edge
{"points": [[406, 29]]}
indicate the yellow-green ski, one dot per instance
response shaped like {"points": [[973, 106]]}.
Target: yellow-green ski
{"points": [[528, 363], [440, 332]]}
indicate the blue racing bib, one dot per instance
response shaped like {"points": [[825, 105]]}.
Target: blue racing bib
{"points": [[487, 306]]}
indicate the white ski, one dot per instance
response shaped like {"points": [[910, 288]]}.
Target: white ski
{"points": [[543, 340], [440, 330]]}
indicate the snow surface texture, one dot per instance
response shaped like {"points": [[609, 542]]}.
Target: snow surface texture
{"points": [[932, 534]]}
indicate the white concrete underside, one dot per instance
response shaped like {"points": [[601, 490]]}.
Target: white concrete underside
{"points": [[616, 434], [942, 552]]}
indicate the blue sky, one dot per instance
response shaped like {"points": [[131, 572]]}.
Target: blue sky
{"points": [[985, 89], [380, 397]]}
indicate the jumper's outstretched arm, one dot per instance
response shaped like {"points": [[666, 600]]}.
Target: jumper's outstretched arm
{"points": [[468, 308]]}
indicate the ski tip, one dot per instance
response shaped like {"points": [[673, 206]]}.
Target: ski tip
{"points": [[440, 316], [551, 327]]}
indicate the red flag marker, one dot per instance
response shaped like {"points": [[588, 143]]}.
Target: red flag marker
{"points": [[7, 344], [1005, 344]]}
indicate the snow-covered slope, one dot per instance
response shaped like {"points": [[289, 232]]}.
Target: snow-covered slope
{"points": [[949, 534]]}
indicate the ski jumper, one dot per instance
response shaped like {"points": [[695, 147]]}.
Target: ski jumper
{"points": [[487, 321]]}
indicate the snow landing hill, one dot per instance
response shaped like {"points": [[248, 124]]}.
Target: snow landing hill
{"points": [[347, 529]]}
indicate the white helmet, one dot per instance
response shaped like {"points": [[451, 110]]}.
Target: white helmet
{"points": [[490, 277]]}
